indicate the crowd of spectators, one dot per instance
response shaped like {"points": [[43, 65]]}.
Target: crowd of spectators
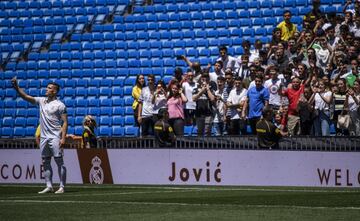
{"points": [[310, 78]]}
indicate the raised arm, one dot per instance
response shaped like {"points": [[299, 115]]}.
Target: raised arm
{"points": [[20, 91]]}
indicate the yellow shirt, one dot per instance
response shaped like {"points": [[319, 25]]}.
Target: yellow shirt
{"points": [[37, 133], [286, 31], [136, 91]]}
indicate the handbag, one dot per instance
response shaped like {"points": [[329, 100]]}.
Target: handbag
{"points": [[343, 121]]}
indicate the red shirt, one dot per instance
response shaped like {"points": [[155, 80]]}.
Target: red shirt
{"points": [[294, 96]]}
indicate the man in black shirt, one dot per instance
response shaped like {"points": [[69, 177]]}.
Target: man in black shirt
{"points": [[164, 134], [268, 134], [204, 97]]}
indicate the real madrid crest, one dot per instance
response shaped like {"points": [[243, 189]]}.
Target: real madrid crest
{"points": [[96, 174]]}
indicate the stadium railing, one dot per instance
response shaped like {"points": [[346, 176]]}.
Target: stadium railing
{"points": [[301, 143]]}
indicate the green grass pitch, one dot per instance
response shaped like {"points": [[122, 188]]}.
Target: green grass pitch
{"points": [[115, 202]]}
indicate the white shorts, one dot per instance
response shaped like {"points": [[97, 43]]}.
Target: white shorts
{"points": [[50, 147]]}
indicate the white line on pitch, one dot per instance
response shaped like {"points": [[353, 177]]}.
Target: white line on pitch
{"points": [[179, 204], [204, 188]]}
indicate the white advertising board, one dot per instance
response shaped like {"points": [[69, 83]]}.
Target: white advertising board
{"points": [[189, 167], [24, 166], [235, 167]]}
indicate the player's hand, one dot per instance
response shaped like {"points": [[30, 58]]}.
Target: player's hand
{"points": [[14, 83], [139, 119], [62, 144]]}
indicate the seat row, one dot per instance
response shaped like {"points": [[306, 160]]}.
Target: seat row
{"points": [[160, 7], [24, 5], [103, 130]]}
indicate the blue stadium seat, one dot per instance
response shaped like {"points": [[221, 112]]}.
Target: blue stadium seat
{"points": [[95, 111], [7, 132], [20, 122], [246, 23], [105, 131], [32, 121], [8, 122], [129, 120], [131, 131], [106, 111], [118, 131]]}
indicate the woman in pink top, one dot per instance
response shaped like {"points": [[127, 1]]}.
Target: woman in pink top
{"points": [[175, 104]]}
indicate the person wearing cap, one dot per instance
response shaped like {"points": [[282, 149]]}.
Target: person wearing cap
{"points": [[287, 27], [164, 133], [267, 133]]}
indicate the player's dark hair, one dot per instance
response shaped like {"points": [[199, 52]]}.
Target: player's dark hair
{"points": [[56, 85]]}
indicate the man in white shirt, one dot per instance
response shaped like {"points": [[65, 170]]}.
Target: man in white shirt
{"points": [[217, 71], [190, 106], [235, 103], [53, 129], [227, 60], [273, 85]]}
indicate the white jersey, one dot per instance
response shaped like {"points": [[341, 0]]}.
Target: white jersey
{"points": [[50, 117], [146, 99], [188, 92], [273, 87], [236, 97]]}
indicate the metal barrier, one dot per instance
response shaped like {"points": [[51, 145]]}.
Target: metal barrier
{"points": [[303, 143]]}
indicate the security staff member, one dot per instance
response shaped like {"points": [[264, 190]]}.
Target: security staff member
{"points": [[267, 133], [164, 134]]}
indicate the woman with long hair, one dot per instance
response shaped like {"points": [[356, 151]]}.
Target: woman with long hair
{"points": [[323, 100], [88, 136], [175, 104], [353, 103], [136, 91]]}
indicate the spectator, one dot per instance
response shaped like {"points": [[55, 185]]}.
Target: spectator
{"points": [[353, 104], [164, 134], [243, 70], [279, 59], [323, 53], [227, 60], [274, 85], [314, 15], [136, 91], [287, 27], [159, 99], [146, 116], [267, 133], [203, 95], [175, 104], [257, 99], [293, 94], [218, 71], [236, 104], [220, 113], [353, 74], [355, 29], [331, 38], [88, 136], [276, 37], [323, 100], [229, 85], [254, 54], [190, 106], [305, 109], [339, 99]]}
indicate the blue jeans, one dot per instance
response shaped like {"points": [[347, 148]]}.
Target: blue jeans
{"points": [[219, 128], [322, 123]]}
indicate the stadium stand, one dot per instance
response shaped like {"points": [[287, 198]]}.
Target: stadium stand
{"points": [[94, 49]]}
